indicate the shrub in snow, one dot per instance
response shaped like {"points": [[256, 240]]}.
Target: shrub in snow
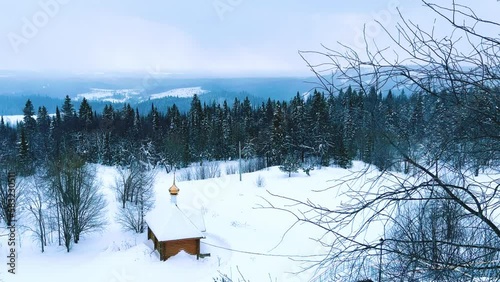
{"points": [[260, 182], [185, 175], [231, 169], [251, 165], [307, 169], [290, 165], [211, 170], [205, 170]]}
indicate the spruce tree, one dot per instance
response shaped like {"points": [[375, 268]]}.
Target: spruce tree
{"points": [[29, 123]]}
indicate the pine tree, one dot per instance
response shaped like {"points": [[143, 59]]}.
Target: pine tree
{"points": [[85, 114], [173, 145], [320, 129], [25, 156], [247, 129], [227, 146], [2, 125], [58, 116], [155, 119], [67, 108], [42, 137], [127, 120], [107, 157], [336, 113], [137, 125], [297, 128], [196, 132], [278, 136], [290, 164], [56, 135], [43, 120], [349, 124], [369, 126], [108, 118], [215, 134], [417, 118]]}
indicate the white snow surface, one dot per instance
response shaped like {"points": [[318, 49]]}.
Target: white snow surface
{"points": [[241, 235], [196, 217], [180, 93]]}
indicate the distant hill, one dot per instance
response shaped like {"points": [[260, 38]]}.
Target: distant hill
{"points": [[140, 91], [14, 104]]}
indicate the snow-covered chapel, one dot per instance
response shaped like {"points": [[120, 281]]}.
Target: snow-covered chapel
{"points": [[173, 230]]}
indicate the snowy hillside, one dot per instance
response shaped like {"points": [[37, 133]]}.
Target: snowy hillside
{"points": [[14, 119], [110, 95], [136, 95], [180, 93], [240, 235]]}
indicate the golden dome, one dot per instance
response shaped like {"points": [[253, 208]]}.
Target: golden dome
{"points": [[174, 190]]}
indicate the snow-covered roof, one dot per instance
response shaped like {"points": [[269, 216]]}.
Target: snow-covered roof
{"points": [[196, 217], [168, 223]]}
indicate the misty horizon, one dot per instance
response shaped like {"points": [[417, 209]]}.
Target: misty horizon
{"points": [[216, 38]]}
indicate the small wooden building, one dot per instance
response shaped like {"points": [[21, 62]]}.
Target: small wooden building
{"points": [[171, 230]]}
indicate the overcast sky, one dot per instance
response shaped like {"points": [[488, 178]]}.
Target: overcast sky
{"points": [[212, 37]]}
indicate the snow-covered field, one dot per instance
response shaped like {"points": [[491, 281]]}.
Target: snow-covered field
{"points": [[241, 236], [127, 95], [109, 95], [180, 93], [12, 120]]}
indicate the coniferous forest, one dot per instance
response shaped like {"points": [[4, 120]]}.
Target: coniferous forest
{"points": [[305, 132]]}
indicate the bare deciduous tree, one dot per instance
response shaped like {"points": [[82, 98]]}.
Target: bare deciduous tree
{"points": [[80, 206], [460, 71], [38, 205], [134, 189], [127, 182]]}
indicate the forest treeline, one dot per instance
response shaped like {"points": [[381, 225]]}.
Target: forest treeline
{"points": [[307, 131]]}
